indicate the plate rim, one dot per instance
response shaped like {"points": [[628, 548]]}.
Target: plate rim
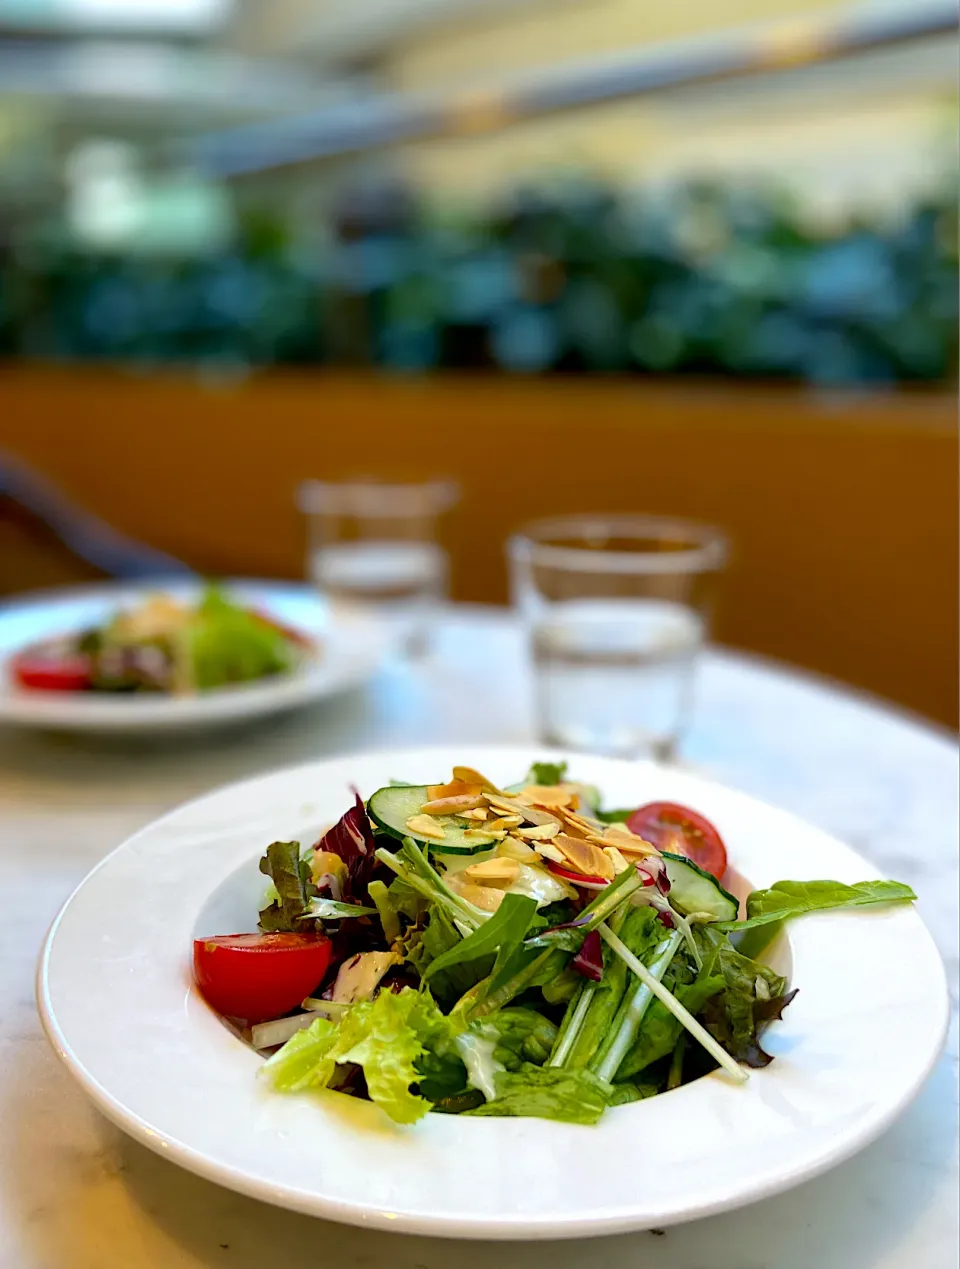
{"points": [[506, 1227]]}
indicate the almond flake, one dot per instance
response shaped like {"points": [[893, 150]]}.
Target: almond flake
{"points": [[469, 776], [497, 872], [527, 813], [455, 789], [484, 834], [514, 848], [548, 796], [478, 813], [619, 863], [547, 851], [584, 857], [426, 826], [452, 806], [539, 832], [626, 842]]}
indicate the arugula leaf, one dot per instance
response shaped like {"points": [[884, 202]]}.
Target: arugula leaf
{"points": [[427, 945], [547, 773], [502, 935], [282, 864], [547, 1092], [787, 899]]}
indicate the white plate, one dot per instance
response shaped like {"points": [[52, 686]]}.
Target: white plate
{"points": [[117, 1003], [352, 648]]}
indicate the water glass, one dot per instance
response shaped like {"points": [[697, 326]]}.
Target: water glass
{"points": [[373, 545], [617, 608]]}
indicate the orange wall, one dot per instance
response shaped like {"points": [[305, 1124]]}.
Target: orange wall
{"points": [[843, 510]]}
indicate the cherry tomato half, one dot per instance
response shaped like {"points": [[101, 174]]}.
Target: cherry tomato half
{"points": [[680, 831], [51, 672], [259, 976]]}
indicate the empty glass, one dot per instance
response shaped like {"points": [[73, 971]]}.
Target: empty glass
{"points": [[617, 608], [373, 545]]}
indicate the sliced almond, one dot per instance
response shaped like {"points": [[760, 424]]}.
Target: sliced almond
{"points": [[584, 856], [528, 813], [548, 851], [469, 776], [619, 863], [626, 842], [484, 834], [453, 805], [539, 832], [455, 789], [547, 795], [426, 826], [478, 813], [498, 872], [514, 848], [576, 825], [487, 898]]}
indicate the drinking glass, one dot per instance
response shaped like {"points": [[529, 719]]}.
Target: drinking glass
{"points": [[374, 545], [617, 608]]}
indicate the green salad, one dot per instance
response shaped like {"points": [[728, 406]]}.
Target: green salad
{"points": [[461, 948]]}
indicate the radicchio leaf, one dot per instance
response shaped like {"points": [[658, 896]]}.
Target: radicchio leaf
{"points": [[351, 839], [589, 960]]}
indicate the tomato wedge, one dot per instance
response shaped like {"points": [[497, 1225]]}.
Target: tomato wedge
{"points": [[46, 671], [680, 831], [259, 976]]}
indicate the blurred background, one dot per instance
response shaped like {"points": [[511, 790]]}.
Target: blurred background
{"points": [[693, 258]]}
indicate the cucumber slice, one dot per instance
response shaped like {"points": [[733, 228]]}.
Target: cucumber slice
{"points": [[693, 890], [391, 807]]}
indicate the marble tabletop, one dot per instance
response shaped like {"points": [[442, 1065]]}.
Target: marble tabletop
{"points": [[76, 1194]]}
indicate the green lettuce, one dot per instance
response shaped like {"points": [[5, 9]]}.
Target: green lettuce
{"points": [[499, 936], [547, 1092], [386, 1036], [291, 885], [224, 643]]}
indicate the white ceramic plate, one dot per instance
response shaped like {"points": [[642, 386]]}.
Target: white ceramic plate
{"points": [[352, 648], [117, 1003]]}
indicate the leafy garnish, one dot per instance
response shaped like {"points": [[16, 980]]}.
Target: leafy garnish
{"points": [[547, 774], [615, 817], [502, 934], [787, 899], [282, 864], [386, 1036], [547, 1092]]}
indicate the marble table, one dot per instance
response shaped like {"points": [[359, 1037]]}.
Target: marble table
{"points": [[76, 1194]]}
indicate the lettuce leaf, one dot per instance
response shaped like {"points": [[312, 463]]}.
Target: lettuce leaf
{"points": [[224, 643], [787, 899], [386, 1036], [547, 774], [290, 877], [547, 1092]]}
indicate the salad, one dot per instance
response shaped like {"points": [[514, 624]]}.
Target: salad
{"points": [[468, 949], [164, 645]]}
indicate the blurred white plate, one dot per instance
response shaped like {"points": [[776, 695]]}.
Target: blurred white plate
{"points": [[352, 647], [116, 999]]}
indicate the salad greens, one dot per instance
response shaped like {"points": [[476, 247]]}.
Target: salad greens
{"points": [[458, 982], [165, 645]]}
